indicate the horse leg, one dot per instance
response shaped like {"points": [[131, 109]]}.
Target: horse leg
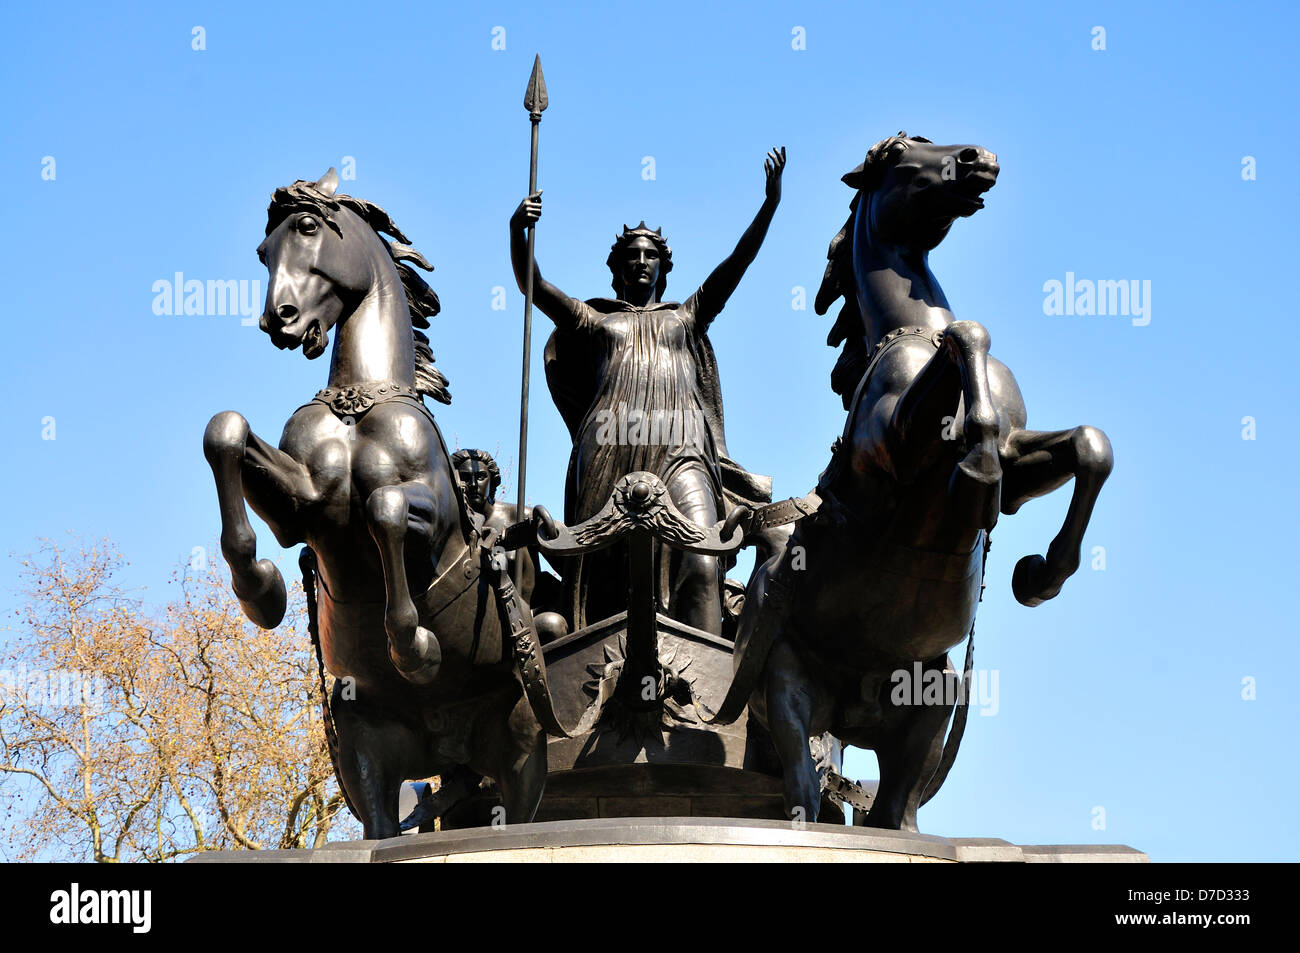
{"points": [[371, 748], [278, 488], [791, 702], [976, 484], [413, 649], [257, 583], [908, 756], [915, 429], [1038, 462], [521, 773]]}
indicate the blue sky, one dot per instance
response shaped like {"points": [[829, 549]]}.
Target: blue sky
{"points": [[1124, 693]]}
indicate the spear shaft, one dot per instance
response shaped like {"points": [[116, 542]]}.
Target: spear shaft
{"points": [[535, 101]]}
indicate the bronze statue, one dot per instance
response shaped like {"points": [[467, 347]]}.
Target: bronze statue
{"points": [[636, 381], [428, 656], [421, 586], [886, 564], [480, 477]]}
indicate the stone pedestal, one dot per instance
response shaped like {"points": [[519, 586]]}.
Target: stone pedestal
{"points": [[681, 840]]}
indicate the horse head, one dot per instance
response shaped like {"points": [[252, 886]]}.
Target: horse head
{"points": [[316, 276], [326, 255], [910, 190]]}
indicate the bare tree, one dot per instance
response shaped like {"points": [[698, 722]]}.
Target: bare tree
{"points": [[129, 735]]}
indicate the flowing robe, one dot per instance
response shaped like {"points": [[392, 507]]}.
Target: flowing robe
{"points": [[638, 389]]}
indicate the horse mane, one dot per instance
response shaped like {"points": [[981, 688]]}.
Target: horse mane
{"points": [[421, 300], [838, 281]]}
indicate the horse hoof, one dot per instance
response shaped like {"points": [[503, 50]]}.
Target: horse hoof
{"points": [[262, 596], [1026, 581], [420, 665]]}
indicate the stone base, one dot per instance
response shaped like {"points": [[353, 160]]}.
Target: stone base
{"points": [[681, 840]]}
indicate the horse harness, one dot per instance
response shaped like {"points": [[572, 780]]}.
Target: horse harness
{"points": [[482, 557], [355, 400], [933, 335]]}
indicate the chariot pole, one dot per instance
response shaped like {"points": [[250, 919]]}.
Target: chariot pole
{"points": [[535, 102]]}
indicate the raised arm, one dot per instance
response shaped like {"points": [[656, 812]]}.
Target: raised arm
{"points": [[717, 288], [550, 300]]}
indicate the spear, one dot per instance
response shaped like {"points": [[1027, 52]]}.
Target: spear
{"points": [[535, 102]]}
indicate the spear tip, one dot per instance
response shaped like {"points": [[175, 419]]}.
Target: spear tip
{"points": [[535, 100]]}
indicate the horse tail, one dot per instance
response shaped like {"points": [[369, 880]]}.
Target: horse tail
{"points": [[849, 329]]}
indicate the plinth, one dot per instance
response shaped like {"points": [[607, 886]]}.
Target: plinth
{"points": [[682, 840]]}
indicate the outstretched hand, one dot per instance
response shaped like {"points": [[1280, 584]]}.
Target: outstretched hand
{"points": [[774, 166]]}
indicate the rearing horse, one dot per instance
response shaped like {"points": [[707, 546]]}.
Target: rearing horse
{"points": [[425, 666], [888, 571]]}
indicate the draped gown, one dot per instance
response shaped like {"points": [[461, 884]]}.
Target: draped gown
{"points": [[630, 384]]}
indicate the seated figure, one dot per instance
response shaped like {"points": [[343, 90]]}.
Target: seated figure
{"points": [[479, 478]]}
